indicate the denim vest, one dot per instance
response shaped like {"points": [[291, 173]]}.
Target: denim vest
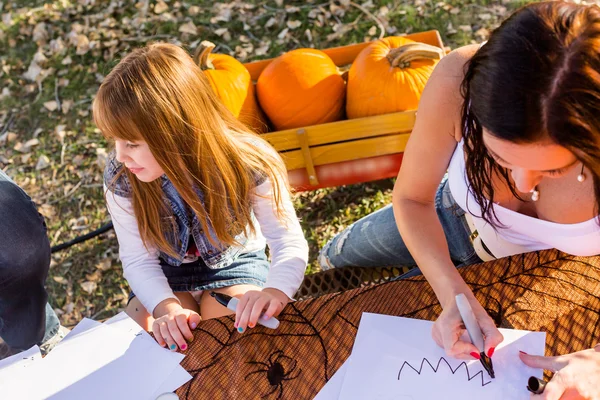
{"points": [[184, 221]]}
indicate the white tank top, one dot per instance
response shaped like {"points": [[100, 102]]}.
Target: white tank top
{"points": [[521, 233]]}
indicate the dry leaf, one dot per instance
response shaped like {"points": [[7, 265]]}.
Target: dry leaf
{"points": [[40, 32], [60, 279], [66, 106], [194, 10], [272, 21], [89, 287], [282, 33], [83, 45], [189, 28], [104, 265], [51, 105], [293, 24], [160, 7], [33, 72], [43, 162], [67, 60]]}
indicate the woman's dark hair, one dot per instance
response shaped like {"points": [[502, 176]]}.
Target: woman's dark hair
{"points": [[537, 78]]}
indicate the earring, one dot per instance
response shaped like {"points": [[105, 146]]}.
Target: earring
{"points": [[535, 194], [581, 176]]}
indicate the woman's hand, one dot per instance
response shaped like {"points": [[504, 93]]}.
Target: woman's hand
{"points": [[449, 331], [173, 324], [576, 375], [252, 305]]}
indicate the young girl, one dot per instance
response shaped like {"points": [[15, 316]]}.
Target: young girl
{"points": [[515, 125], [191, 192]]}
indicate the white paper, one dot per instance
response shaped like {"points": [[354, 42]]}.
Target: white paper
{"points": [[16, 369], [177, 378], [332, 389], [387, 347]]}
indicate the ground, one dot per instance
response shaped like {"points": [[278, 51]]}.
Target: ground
{"points": [[55, 54]]}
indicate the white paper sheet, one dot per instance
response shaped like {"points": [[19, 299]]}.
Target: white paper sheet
{"points": [[177, 378], [331, 391], [385, 344], [16, 369]]}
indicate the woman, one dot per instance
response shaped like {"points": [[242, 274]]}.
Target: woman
{"points": [[515, 124]]}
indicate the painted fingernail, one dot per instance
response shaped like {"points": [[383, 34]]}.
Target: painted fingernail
{"points": [[193, 325], [183, 346], [173, 346], [265, 317], [491, 351], [235, 325], [522, 352], [240, 329], [251, 325], [477, 356]]}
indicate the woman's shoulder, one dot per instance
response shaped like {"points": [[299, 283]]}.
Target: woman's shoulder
{"points": [[114, 177]]}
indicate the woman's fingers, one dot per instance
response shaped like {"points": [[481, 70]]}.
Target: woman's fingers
{"points": [[176, 334]]}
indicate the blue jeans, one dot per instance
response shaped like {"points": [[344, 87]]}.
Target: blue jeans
{"points": [[374, 241], [25, 316]]}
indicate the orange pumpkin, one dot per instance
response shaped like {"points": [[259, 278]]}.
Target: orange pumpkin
{"points": [[232, 83], [300, 88], [389, 76]]}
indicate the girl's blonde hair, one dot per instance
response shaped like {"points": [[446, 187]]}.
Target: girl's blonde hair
{"points": [[159, 95]]}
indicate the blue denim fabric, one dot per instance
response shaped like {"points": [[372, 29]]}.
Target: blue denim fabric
{"points": [[183, 221], [374, 241], [247, 269], [25, 316]]}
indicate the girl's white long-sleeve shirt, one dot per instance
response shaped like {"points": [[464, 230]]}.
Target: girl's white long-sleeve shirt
{"points": [[287, 245]]}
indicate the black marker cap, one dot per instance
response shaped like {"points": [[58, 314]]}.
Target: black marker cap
{"points": [[536, 385]]}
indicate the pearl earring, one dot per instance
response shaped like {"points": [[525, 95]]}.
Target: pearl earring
{"points": [[581, 176], [535, 194]]}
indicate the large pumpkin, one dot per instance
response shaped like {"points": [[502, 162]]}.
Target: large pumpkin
{"points": [[231, 81], [389, 76], [301, 87]]}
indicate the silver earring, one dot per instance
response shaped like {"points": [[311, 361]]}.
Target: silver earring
{"points": [[581, 176], [535, 194]]}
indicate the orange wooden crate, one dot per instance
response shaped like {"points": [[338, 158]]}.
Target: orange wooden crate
{"points": [[348, 151]]}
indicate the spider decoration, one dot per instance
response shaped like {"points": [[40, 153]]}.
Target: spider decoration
{"points": [[276, 372]]}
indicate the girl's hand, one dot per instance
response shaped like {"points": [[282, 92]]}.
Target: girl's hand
{"points": [[576, 375], [449, 331], [252, 305], [175, 326]]}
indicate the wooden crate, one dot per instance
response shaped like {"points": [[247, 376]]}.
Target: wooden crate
{"points": [[348, 151]]}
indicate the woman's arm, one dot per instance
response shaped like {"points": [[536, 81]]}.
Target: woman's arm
{"points": [[429, 150], [141, 266]]}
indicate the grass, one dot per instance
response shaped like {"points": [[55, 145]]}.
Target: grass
{"points": [[86, 280]]}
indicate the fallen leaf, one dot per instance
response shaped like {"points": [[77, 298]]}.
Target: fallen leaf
{"points": [[43, 163], [60, 279], [33, 71], [89, 286], [67, 60], [293, 24], [51, 105], [189, 28], [104, 265], [40, 32], [66, 106], [160, 7]]}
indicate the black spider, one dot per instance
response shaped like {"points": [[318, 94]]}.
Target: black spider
{"points": [[276, 372]]}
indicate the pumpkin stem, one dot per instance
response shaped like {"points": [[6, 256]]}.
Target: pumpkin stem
{"points": [[403, 55], [201, 55]]}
